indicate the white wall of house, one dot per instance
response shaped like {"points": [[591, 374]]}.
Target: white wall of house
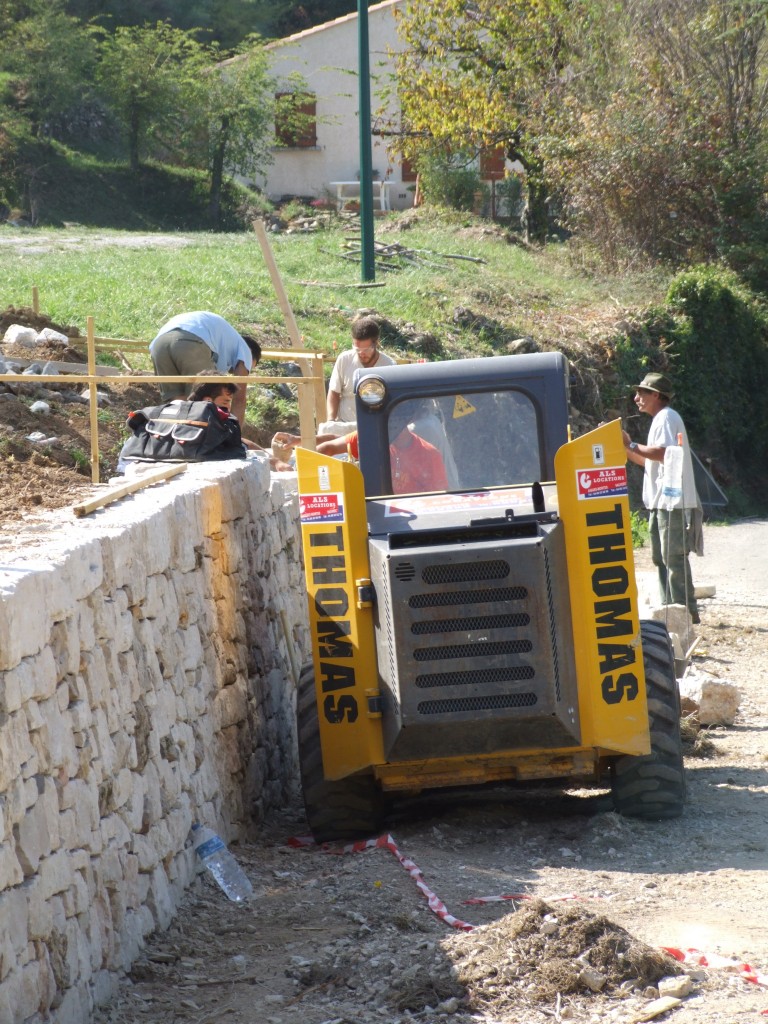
{"points": [[326, 57]]}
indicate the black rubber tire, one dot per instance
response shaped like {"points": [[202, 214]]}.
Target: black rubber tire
{"points": [[653, 786], [350, 808]]}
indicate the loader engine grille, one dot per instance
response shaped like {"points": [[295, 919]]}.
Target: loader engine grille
{"points": [[484, 650], [494, 703], [470, 597], [472, 644], [465, 572], [474, 677], [475, 622]]}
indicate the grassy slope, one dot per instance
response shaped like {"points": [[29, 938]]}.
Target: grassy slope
{"points": [[73, 187], [131, 284]]}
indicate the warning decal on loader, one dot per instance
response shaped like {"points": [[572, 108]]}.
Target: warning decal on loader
{"points": [[601, 483], [461, 407], [321, 508]]}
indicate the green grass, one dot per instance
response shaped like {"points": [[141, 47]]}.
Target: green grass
{"points": [[131, 284]]}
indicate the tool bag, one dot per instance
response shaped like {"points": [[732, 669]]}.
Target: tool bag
{"points": [[183, 432]]}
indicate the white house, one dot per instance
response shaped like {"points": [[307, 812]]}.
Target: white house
{"points": [[327, 150]]}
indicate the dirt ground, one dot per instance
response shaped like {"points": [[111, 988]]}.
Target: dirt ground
{"points": [[349, 938]]}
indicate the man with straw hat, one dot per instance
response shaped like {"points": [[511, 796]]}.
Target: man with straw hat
{"points": [[666, 493]]}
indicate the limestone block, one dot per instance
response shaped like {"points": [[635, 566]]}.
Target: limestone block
{"points": [[68, 828], [133, 810], [152, 803], [675, 617], [146, 852], [714, 701], [192, 647], [153, 605], [55, 873], [234, 503], [231, 552], [86, 626], [104, 616], [14, 927], [159, 899], [122, 787], [110, 868], [129, 886], [82, 568], [74, 1007], [170, 785], [37, 585], [185, 534], [210, 508], [65, 645], [20, 994], [147, 668], [80, 715], [130, 941], [38, 830], [230, 706], [105, 986], [33, 678], [39, 911], [15, 747], [678, 986], [123, 635], [78, 796]]}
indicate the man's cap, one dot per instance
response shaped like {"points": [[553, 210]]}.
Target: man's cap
{"points": [[656, 382]]}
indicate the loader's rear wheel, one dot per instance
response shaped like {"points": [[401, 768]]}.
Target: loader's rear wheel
{"points": [[654, 786], [350, 808]]}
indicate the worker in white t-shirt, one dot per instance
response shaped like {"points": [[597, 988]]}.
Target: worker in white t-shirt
{"points": [[364, 354]]}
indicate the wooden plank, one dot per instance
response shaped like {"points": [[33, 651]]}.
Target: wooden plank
{"points": [[85, 507]]}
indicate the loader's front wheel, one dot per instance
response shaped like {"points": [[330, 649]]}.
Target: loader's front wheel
{"points": [[350, 808], [653, 786]]}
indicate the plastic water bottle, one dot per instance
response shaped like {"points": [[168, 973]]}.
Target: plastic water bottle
{"points": [[672, 490], [213, 854]]}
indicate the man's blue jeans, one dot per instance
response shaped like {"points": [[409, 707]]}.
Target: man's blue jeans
{"points": [[669, 551]]}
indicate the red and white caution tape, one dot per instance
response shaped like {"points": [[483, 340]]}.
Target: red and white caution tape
{"points": [[386, 842], [695, 956]]}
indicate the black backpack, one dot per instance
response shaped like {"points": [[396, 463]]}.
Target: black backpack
{"points": [[183, 432]]}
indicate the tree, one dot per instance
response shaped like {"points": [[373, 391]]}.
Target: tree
{"points": [[146, 72], [481, 75], [667, 156], [231, 117], [47, 56]]}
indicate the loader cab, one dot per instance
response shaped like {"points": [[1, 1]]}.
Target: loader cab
{"points": [[494, 422]]}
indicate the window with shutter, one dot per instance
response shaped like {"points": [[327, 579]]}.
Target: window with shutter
{"points": [[492, 164]]}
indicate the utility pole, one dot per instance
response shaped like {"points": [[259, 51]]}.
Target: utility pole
{"points": [[368, 265]]}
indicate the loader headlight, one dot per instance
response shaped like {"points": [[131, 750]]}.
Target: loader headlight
{"points": [[372, 392]]}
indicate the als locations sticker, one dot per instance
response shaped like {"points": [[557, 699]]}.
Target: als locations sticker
{"points": [[601, 483], [321, 508]]}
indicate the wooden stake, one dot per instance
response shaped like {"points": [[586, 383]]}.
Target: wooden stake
{"points": [[93, 400], [35, 300]]}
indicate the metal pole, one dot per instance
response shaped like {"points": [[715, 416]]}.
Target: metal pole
{"points": [[368, 266]]}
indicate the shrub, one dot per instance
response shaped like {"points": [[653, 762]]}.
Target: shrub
{"points": [[445, 182]]}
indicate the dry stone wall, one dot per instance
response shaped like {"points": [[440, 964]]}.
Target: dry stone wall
{"points": [[145, 683]]}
